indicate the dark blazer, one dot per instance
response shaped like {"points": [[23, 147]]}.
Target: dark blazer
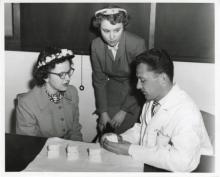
{"points": [[38, 116], [111, 78]]}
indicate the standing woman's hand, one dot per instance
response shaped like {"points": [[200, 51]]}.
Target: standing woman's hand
{"points": [[103, 120], [118, 119]]}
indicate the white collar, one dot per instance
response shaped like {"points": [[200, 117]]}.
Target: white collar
{"points": [[114, 47], [171, 95]]}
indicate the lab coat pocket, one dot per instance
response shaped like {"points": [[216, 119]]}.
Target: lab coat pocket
{"points": [[160, 129], [162, 139], [151, 138]]}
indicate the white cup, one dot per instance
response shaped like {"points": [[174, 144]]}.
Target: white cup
{"points": [[72, 156], [95, 155], [53, 147], [72, 152], [72, 149], [53, 151]]}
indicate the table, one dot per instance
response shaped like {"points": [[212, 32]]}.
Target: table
{"points": [[20, 150]]}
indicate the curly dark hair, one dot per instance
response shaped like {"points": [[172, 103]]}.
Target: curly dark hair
{"points": [[41, 73], [120, 17]]}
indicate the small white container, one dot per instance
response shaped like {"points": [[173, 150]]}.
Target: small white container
{"points": [[53, 151], [72, 156], [72, 149], [72, 152], [53, 147], [95, 155]]}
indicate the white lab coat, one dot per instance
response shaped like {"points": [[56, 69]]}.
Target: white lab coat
{"points": [[184, 137]]}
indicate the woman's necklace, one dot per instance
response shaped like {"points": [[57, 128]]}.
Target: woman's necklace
{"points": [[56, 97]]}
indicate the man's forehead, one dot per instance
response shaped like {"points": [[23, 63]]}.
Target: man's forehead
{"points": [[143, 67], [143, 70]]}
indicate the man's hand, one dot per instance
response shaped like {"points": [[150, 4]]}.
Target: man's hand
{"points": [[118, 119], [103, 120], [104, 137], [118, 148]]}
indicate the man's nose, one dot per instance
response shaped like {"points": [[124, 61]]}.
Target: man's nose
{"points": [[138, 86]]}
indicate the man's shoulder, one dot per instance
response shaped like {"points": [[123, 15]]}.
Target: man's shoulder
{"points": [[181, 94], [184, 100]]}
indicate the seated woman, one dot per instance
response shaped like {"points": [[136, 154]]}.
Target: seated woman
{"points": [[50, 109]]}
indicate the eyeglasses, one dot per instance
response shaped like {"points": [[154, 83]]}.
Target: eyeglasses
{"points": [[62, 75]]}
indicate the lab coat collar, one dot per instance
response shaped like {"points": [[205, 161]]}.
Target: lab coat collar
{"points": [[171, 99]]}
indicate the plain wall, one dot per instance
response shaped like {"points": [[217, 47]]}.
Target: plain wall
{"points": [[196, 78]]}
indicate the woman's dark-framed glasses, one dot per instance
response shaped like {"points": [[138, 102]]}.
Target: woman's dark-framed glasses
{"points": [[62, 75]]}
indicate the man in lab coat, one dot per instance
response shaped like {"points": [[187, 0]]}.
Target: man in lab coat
{"points": [[171, 134]]}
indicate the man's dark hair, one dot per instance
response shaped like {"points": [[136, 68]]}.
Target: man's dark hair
{"points": [[158, 60]]}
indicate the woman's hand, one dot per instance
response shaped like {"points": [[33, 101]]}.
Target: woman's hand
{"points": [[103, 120], [118, 119]]}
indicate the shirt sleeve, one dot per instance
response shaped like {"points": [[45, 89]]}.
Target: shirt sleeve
{"points": [[182, 154], [130, 100], [99, 81], [26, 122], [132, 135]]}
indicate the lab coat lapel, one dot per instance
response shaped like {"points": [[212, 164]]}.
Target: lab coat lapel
{"points": [[151, 125], [145, 120]]}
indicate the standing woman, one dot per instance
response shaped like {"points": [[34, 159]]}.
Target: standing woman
{"points": [[112, 54], [51, 109]]}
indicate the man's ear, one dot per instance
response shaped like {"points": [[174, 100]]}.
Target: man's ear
{"points": [[163, 78]]}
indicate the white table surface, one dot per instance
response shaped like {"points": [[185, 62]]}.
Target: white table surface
{"points": [[111, 162]]}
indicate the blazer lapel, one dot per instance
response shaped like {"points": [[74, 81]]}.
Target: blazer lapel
{"points": [[109, 52], [121, 47]]}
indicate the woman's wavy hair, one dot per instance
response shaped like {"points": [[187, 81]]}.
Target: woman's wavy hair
{"points": [[41, 73], [120, 17]]}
